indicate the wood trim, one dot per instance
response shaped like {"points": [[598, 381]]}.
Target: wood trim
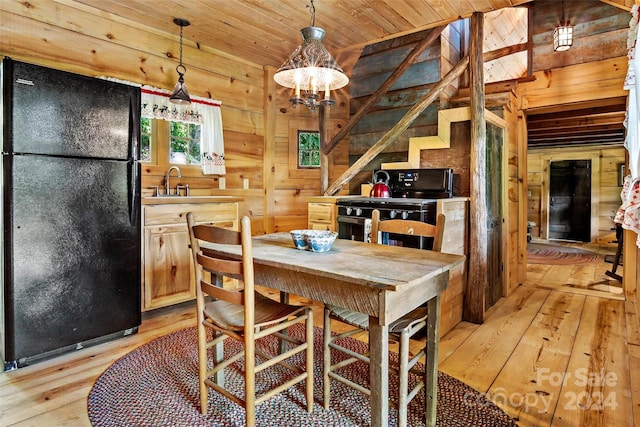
{"points": [[295, 125], [268, 165]]}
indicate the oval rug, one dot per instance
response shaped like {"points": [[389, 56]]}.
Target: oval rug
{"points": [[545, 253], [157, 385]]}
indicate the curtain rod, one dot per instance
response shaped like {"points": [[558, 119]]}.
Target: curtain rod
{"points": [[167, 95]]}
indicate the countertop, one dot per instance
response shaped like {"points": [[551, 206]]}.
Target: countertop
{"points": [[189, 200]]}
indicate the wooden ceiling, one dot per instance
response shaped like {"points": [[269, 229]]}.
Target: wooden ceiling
{"points": [[265, 32], [582, 124]]}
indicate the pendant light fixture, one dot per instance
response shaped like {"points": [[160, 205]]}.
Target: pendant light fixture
{"points": [[311, 69], [563, 35], [180, 94]]}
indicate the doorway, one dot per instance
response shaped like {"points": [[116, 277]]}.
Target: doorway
{"points": [[495, 142], [570, 200]]}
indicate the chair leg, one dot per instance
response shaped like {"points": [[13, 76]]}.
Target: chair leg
{"points": [[249, 380], [309, 367], [326, 358], [403, 387], [202, 368]]}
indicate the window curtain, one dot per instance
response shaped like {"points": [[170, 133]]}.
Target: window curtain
{"points": [[156, 105], [628, 215]]}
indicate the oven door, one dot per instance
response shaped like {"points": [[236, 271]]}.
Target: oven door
{"points": [[354, 228]]}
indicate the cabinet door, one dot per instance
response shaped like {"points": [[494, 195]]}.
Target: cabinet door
{"points": [[168, 276]]}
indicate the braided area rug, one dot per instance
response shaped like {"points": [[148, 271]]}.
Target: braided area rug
{"points": [[157, 385], [545, 253]]}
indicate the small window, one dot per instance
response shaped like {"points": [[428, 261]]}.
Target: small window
{"points": [[308, 149], [185, 144], [145, 140]]}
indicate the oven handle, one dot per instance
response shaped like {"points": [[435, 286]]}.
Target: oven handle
{"points": [[352, 220]]}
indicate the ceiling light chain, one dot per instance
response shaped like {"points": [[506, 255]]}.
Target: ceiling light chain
{"points": [[313, 14], [180, 94]]}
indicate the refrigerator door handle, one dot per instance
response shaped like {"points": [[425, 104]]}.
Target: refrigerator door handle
{"points": [[134, 155], [134, 191]]}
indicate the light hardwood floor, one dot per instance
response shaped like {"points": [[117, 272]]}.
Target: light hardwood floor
{"points": [[546, 356]]}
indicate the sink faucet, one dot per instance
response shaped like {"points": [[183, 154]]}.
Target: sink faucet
{"points": [[167, 187]]}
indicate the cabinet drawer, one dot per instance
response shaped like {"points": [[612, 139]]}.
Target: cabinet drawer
{"points": [[319, 212], [177, 213]]}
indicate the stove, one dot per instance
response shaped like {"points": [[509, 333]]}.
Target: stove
{"points": [[414, 194]]}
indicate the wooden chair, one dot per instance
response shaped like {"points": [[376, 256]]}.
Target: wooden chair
{"points": [[244, 315], [399, 331]]}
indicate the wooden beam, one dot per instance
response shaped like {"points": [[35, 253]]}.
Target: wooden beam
{"points": [[393, 78], [400, 127], [474, 297], [504, 51]]}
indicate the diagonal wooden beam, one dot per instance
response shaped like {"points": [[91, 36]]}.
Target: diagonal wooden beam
{"points": [[375, 97], [400, 127], [504, 51]]}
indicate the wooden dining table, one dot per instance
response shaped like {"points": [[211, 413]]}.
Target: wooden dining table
{"points": [[385, 282]]}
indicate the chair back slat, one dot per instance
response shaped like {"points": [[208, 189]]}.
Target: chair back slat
{"points": [[226, 267], [235, 296], [211, 233], [409, 227]]}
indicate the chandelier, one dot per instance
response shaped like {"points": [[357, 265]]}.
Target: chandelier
{"points": [[311, 69]]}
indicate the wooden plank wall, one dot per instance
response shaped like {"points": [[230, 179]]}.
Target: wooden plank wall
{"points": [[74, 37], [605, 197], [600, 32], [375, 64]]}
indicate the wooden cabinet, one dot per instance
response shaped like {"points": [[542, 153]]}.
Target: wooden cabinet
{"points": [[167, 264], [322, 213], [455, 241], [322, 216]]}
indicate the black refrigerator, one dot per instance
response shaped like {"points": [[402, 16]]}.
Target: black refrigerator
{"points": [[70, 212]]}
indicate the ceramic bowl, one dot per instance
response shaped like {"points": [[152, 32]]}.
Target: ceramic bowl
{"points": [[299, 241], [313, 240], [320, 240]]}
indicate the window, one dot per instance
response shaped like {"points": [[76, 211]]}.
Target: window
{"points": [[185, 144], [308, 149], [145, 140], [165, 142]]}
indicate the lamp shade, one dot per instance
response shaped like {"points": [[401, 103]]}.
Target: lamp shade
{"points": [[180, 94], [311, 67], [562, 38]]}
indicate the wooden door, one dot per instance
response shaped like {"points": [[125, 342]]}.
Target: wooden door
{"points": [[570, 200], [495, 140]]}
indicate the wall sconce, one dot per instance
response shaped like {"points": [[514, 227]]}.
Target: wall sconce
{"points": [[180, 94], [310, 69], [563, 35]]}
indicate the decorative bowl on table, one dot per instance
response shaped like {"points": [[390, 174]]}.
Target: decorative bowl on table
{"points": [[299, 241], [313, 240]]}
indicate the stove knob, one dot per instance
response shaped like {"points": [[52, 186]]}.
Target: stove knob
{"points": [[349, 211], [393, 214], [358, 211], [405, 215]]}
